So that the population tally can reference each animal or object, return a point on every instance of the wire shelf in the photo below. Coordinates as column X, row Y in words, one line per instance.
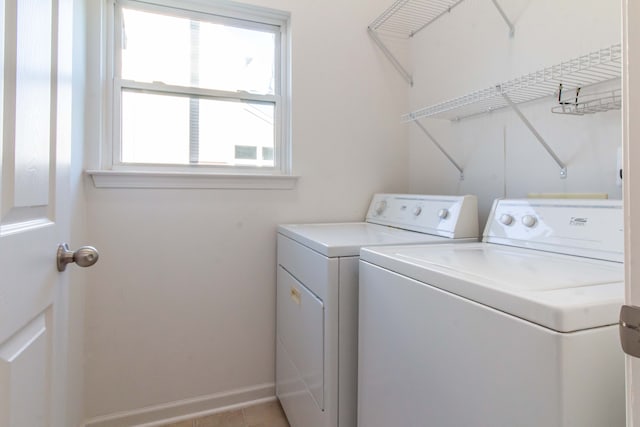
column 405, row 18
column 579, row 105
column 593, row 68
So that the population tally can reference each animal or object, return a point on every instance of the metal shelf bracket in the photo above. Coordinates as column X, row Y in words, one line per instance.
column 442, row 150
column 512, row 28
column 398, row 66
column 514, row 107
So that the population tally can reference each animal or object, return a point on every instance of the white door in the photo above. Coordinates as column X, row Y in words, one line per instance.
column 631, row 132
column 35, row 124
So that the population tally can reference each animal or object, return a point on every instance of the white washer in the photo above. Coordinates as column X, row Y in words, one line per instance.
column 519, row 330
column 317, row 297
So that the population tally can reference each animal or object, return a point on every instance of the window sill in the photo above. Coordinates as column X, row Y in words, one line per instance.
column 130, row 179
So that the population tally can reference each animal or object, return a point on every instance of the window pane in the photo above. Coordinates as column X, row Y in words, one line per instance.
column 227, row 124
column 155, row 128
column 184, row 52
column 169, row 129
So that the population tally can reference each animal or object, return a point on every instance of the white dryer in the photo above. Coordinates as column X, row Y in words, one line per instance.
column 317, row 297
column 517, row 330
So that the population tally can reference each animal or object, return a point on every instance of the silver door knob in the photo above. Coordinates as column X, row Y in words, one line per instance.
column 85, row 256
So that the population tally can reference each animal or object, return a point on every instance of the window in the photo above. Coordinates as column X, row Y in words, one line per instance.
column 199, row 89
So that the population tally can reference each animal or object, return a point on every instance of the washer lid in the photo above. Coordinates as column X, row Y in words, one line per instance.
column 561, row 292
column 346, row 239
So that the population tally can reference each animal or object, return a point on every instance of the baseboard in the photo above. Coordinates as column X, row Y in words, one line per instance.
column 185, row 409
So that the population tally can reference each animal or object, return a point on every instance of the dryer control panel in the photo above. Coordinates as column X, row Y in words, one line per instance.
column 448, row 216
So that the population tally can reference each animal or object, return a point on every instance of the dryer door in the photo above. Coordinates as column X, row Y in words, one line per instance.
column 300, row 327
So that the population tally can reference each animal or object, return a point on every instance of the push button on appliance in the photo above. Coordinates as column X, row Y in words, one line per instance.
column 506, row 219
column 380, row 207
column 529, row 221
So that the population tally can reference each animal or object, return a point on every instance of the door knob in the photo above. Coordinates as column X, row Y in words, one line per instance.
column 85, row 256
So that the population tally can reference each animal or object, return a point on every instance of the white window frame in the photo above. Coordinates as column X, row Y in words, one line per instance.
column 113, row 173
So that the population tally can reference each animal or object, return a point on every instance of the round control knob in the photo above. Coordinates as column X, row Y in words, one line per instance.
column 417, row 210
column 506, row 219
column 443, row 213
column 529, row 220
column 380, row 207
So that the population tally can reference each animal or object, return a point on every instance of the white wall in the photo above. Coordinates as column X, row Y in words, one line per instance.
column 182, row 302
column 470, row 49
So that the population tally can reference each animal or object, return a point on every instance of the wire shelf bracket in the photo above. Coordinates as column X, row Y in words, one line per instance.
column 391, row 57
column 512, row 28
column 442, row 150
column 406, row 18
column 514, row 107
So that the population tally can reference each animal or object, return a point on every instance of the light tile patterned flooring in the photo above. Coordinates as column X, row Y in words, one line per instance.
column 268, row 414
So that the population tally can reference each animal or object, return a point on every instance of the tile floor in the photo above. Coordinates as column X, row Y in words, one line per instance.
column 268, row 414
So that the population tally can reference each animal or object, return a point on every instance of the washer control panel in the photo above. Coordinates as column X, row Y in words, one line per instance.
column 451, row 216
column 586, row 227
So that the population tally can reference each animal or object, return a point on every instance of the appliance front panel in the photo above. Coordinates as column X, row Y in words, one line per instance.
column 428, row 357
